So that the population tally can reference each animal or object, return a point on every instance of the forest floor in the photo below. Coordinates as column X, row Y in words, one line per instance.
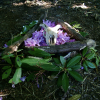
column 15, row 15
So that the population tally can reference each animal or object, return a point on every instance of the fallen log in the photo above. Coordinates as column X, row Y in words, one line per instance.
column 67, row 47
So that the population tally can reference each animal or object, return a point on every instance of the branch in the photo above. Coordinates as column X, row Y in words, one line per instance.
column 72, row 32
column 67, row 47
column 14, row 46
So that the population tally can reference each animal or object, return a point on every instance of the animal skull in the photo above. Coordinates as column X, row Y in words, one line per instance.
column 51, row 33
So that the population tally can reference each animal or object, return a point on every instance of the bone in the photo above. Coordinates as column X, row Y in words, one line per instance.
column 51, row 32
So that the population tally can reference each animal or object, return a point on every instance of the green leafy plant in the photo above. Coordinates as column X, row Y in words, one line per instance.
column 38, row 60
column 90, row 58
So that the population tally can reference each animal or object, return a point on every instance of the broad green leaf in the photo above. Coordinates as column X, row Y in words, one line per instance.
column 18, row 61
column 85, row 66
column 65, row 82
column 6, row 67
column 76, row 67
column 39, row 53
column 7, row 56
column 14, row 40
column 93, row 49
column 32, row 24
column 6, row 73
column 90, row 64
column 8, row 60
column 10, row 81
column 83, row 34
column 22, row 33
column 31, row 77
column 84, row 51
column 56, row 60
column 77, row 26
column 35, row 61
column 19, row 50
column 75, row 97
column 76, row 75
column 25, row 28
column 74, row 22
column 50, row 67
column 59, row 81
column 43, row 63
column 17, row 76
column 97, row 61
column 90, row 56
column 69, row 69
column 63, row 61
column 73, row 61
column 28, row 67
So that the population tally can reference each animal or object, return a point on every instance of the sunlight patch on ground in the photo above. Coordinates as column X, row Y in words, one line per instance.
column 83, row 6
column 30, row 3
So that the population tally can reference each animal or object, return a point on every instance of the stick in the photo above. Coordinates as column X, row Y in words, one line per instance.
column 14, row 46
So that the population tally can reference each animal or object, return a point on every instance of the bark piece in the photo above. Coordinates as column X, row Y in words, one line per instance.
column 72, row 32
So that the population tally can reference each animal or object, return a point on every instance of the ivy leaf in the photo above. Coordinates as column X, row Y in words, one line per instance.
column 84, row 51
column 90, row 64
column 85, row 66
column 73, row 61
column 18, row 61
column 17, row 75
column 65, row 82
column 76, row 75
column 6, row 73
column 63, row 61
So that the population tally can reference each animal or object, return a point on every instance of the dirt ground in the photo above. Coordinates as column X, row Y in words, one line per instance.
column 15, row 14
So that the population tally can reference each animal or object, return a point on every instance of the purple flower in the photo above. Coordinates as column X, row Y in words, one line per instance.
column 38, row 85
column 49, row 23
column 5, row 46
column 82, row 67
column 13, row 85
column 23, row 78
column 38, row 39
column 1, row 98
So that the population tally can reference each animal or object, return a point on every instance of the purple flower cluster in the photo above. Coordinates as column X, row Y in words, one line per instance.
column 38, row 39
